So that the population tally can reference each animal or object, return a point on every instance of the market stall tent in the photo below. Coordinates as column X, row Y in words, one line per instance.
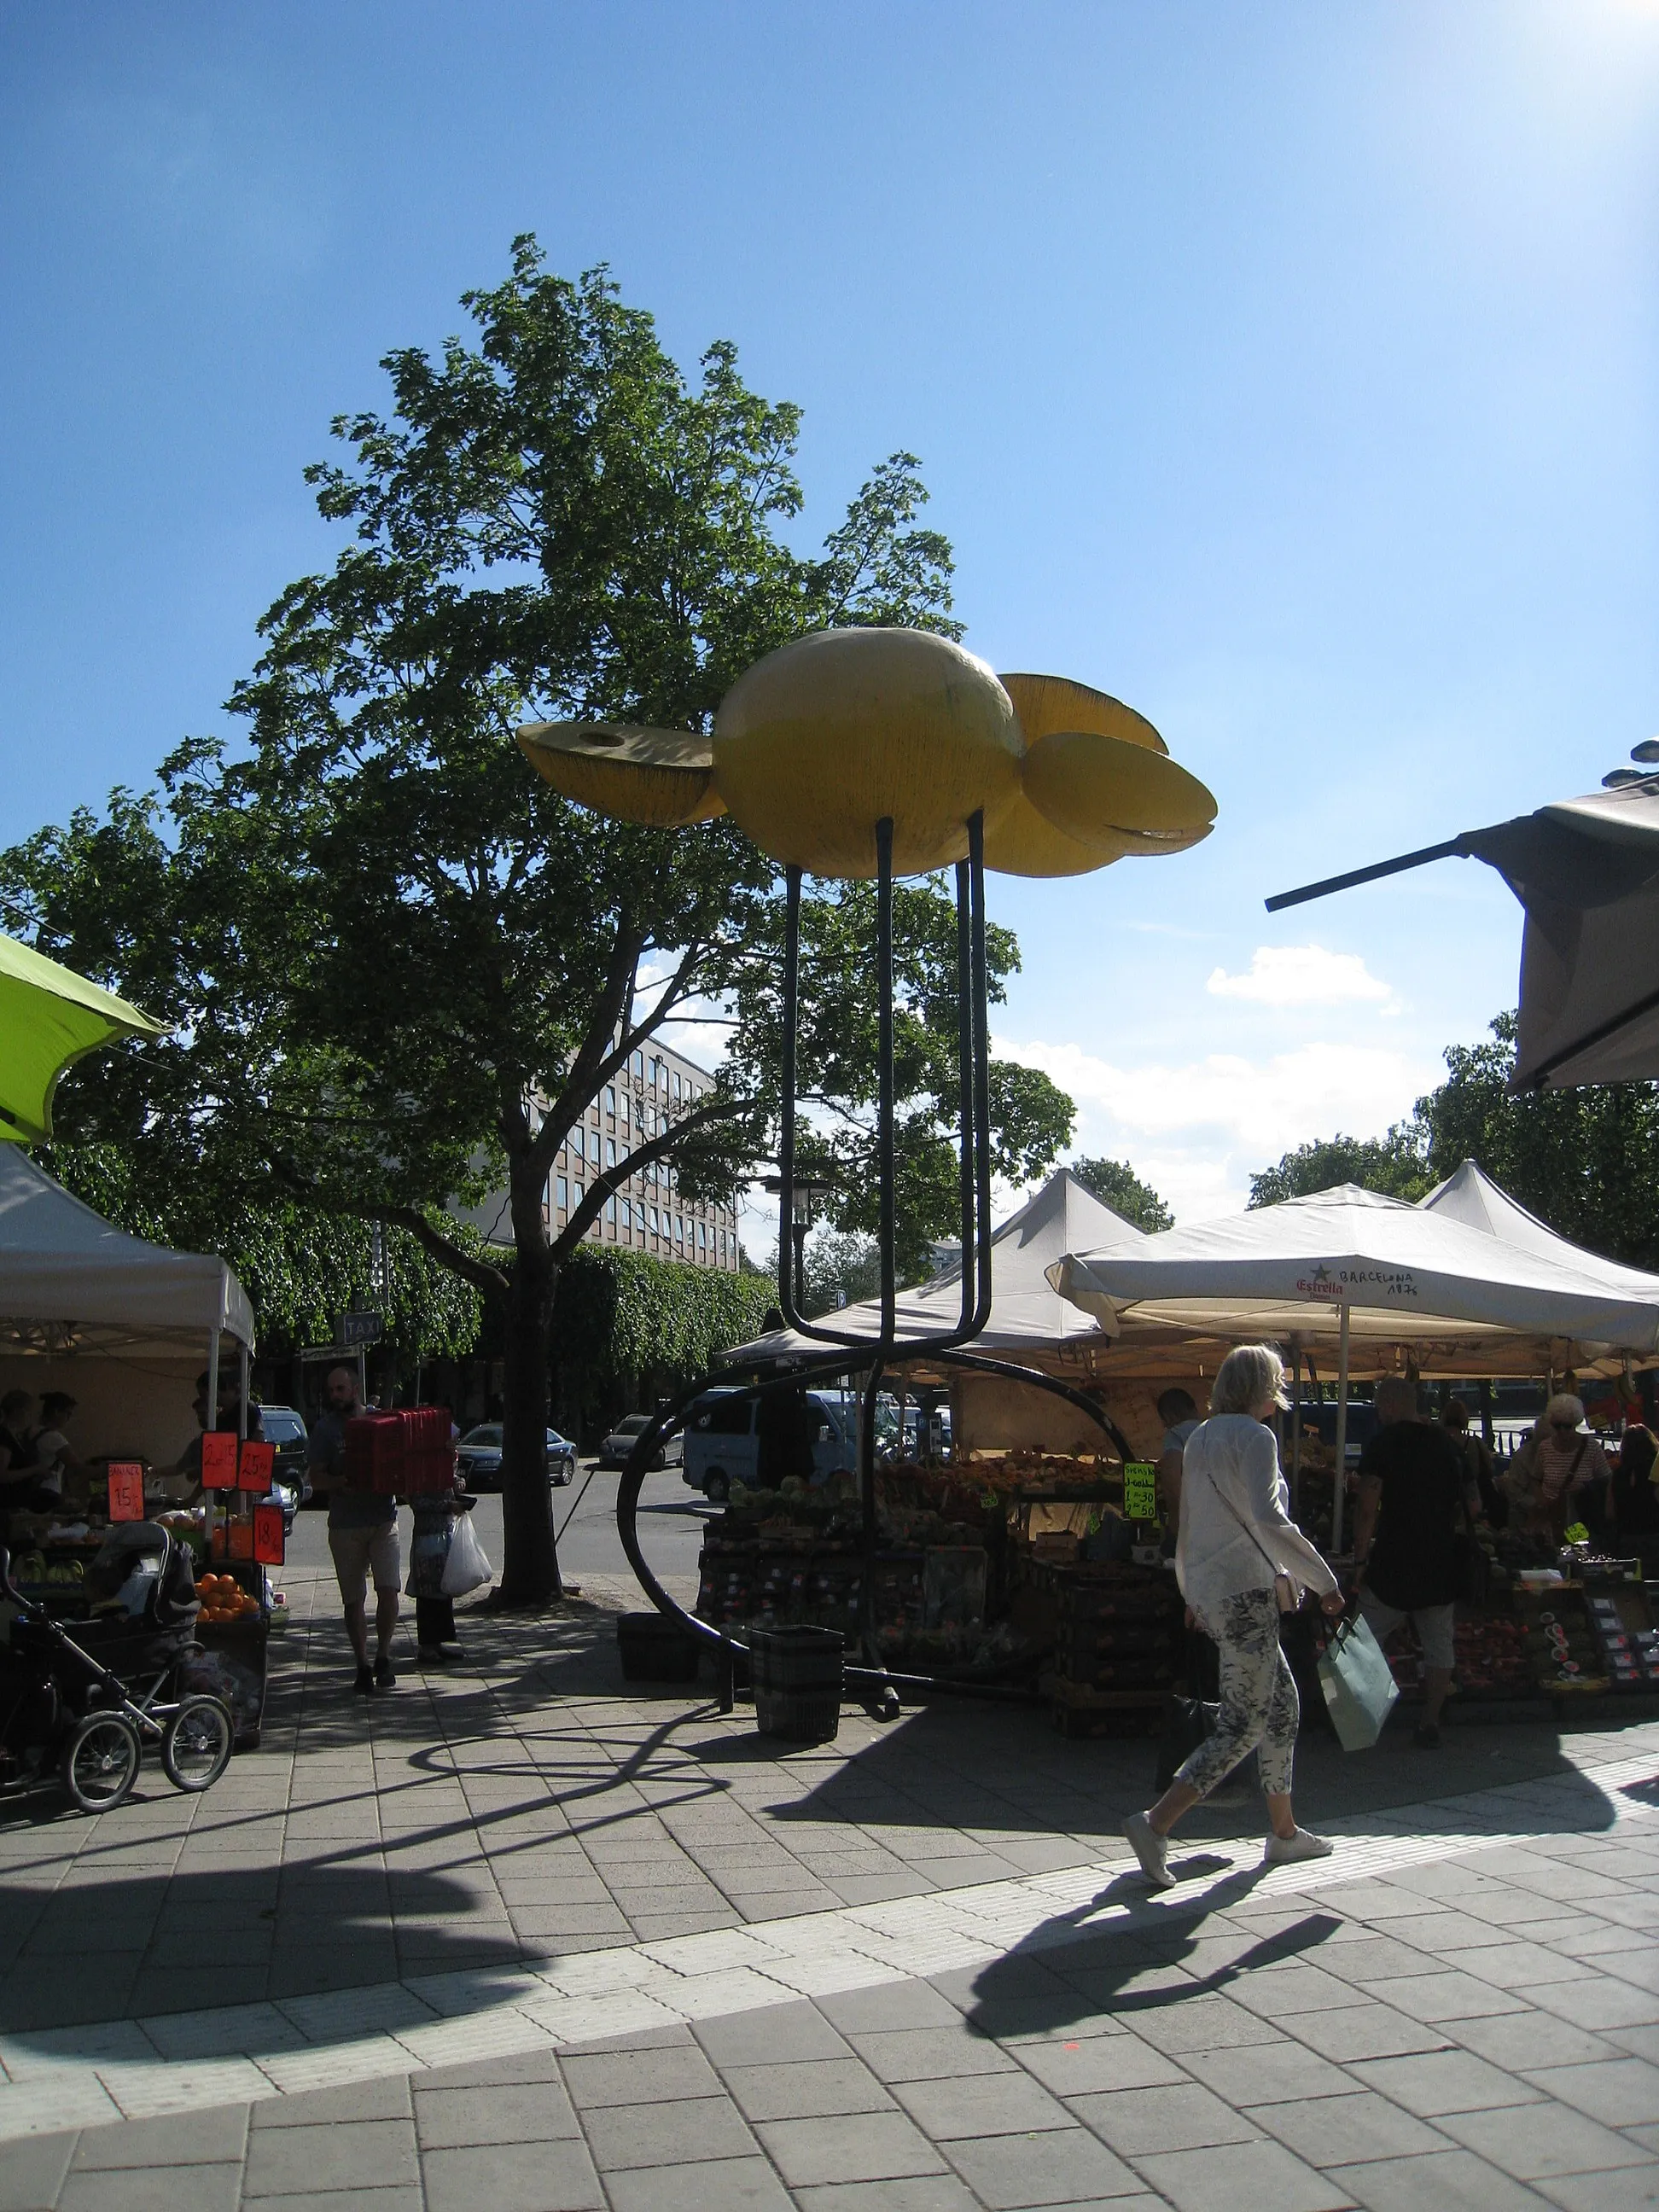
column 1028, row 1313
column 1377, row 1284
column 116, row 1321
column 1462, row 1297
column 49, row 1018
column 1471, row 1196
column 1029, row 1322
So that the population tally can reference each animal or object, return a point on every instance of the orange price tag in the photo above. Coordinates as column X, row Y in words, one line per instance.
column 219, row 1458
column 255, row 1471
column 270, row 1547
column 126, row 1490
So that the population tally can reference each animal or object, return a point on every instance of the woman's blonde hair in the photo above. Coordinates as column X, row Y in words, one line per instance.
column 1251, row 1375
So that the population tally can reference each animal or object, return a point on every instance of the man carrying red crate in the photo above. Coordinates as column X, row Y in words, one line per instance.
column 362, row 1532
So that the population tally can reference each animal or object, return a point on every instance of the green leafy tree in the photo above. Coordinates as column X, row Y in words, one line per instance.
column 842, row 1269
column 626, row 1323
column 1031, row 1119
column 1116, row 1184
column 1397, row 1165
column 1583, row 1160
column 400, row 964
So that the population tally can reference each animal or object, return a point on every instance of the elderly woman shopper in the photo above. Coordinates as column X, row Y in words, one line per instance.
column 1558, row 1459
column 1241, row 1560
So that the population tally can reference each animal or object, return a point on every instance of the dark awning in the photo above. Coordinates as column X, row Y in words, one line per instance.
column 1587, row 871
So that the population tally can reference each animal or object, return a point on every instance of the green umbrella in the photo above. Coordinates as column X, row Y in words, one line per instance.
column 49, row 1017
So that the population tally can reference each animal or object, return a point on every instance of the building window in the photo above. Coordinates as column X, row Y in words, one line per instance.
column 702, row 1236
column 593, row 1146
column 564, row 1194
column 611, row 1212
column 722, row 1248
column 578, row 1194
column 639, row 1065
column 679, row 1228
column 674, row 1083
column 611, row 1098
column 653, row 1221
column 611, row 1151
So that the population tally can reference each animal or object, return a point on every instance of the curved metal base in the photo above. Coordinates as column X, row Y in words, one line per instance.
column 874, row 1681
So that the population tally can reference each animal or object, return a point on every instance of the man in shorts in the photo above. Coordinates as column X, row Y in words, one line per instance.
column 362, row 1535
column 1415, row 1486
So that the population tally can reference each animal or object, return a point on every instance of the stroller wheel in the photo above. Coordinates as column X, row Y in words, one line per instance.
column 197, row 1746
column 100, row 1761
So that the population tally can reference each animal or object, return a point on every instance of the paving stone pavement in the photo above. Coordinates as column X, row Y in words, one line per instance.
column 512, row 1937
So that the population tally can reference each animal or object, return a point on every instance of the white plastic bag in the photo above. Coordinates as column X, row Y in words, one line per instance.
column 466, row 1567
column 1358, row 1685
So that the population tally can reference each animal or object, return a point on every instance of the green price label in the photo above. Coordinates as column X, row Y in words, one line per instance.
column 1139, row 1491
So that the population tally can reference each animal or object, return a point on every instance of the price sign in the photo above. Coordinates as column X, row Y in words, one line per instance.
column 1140, row 1491
column 270, row 1547
column 219, row 1458
column 126, row 1490
column 255, row 1469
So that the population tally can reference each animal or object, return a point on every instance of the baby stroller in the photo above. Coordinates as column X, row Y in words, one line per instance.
column 85, row 1702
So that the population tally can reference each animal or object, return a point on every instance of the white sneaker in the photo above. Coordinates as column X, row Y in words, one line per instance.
column 1151, row 1849
column 1289, row 1850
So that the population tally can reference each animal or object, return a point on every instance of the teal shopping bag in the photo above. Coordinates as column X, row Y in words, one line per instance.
column 1359, row 1685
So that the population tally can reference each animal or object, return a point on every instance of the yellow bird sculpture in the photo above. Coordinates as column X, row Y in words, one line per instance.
column 818, row 742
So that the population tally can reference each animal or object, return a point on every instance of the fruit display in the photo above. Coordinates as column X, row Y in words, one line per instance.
column 224, row 1599
column 1492, row 1658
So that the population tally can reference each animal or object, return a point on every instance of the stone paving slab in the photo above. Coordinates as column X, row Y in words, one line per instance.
column 564, row 1946
column 933, row 2093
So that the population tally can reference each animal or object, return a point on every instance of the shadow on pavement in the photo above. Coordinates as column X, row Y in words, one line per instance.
column 1061, row 1974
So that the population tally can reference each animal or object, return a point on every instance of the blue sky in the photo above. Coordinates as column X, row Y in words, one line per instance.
column 1287, row 370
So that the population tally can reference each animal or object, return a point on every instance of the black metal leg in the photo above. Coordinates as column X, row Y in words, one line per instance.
column 846, row 1353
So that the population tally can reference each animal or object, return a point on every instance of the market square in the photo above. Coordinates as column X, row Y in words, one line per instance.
column 732, row 1467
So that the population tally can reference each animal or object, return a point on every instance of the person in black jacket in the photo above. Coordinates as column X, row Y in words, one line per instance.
column 1415, row 1486
column 1634, row 1498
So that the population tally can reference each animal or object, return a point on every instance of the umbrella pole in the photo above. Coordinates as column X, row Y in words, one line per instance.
column 212, row 1423
column 1295, row 1429
column 1340, row 1481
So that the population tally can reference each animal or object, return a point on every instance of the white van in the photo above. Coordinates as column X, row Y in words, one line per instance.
column 721, row 1447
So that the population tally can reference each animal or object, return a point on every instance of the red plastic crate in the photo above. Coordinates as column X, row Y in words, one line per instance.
column 374, row 1452
column 428, row 1455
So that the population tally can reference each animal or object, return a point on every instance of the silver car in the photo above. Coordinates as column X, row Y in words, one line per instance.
column 479, row 1457
column 618, row 1447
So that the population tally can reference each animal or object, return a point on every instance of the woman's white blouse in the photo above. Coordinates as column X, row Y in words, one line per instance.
column 1234, row 1459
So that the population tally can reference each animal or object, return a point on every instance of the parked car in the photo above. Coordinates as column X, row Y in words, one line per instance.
column 291, row 1474
column 479, row 1457
column 722, row 1447
column 618, row 1447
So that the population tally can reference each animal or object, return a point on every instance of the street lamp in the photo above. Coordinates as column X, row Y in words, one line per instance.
column 805, row 1197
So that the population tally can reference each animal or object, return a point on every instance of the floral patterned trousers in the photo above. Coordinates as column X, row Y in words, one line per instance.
column 1260, row 1708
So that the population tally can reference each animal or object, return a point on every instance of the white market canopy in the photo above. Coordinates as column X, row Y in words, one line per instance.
column 71, row 1281
column 1028, row 1313
column 1466, row 1282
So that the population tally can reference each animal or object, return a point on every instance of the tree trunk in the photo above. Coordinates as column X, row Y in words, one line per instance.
column 530, row 1571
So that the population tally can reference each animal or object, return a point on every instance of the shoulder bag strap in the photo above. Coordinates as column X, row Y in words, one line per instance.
column 1279, row 1573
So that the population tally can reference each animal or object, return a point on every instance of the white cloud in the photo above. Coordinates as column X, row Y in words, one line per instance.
column 1198, row 1130
column 1301, row 975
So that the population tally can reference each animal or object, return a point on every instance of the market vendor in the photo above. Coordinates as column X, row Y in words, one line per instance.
column 1635, row 1493
column 1414, row 1489
column 186, row 1469
column 1179, row 1415
column 1455, row 1419
column 55, row 1457
column 1559, row 1461
column 20, row 1486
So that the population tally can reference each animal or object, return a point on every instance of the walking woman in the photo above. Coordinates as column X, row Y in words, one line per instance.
column 1240, row 1559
